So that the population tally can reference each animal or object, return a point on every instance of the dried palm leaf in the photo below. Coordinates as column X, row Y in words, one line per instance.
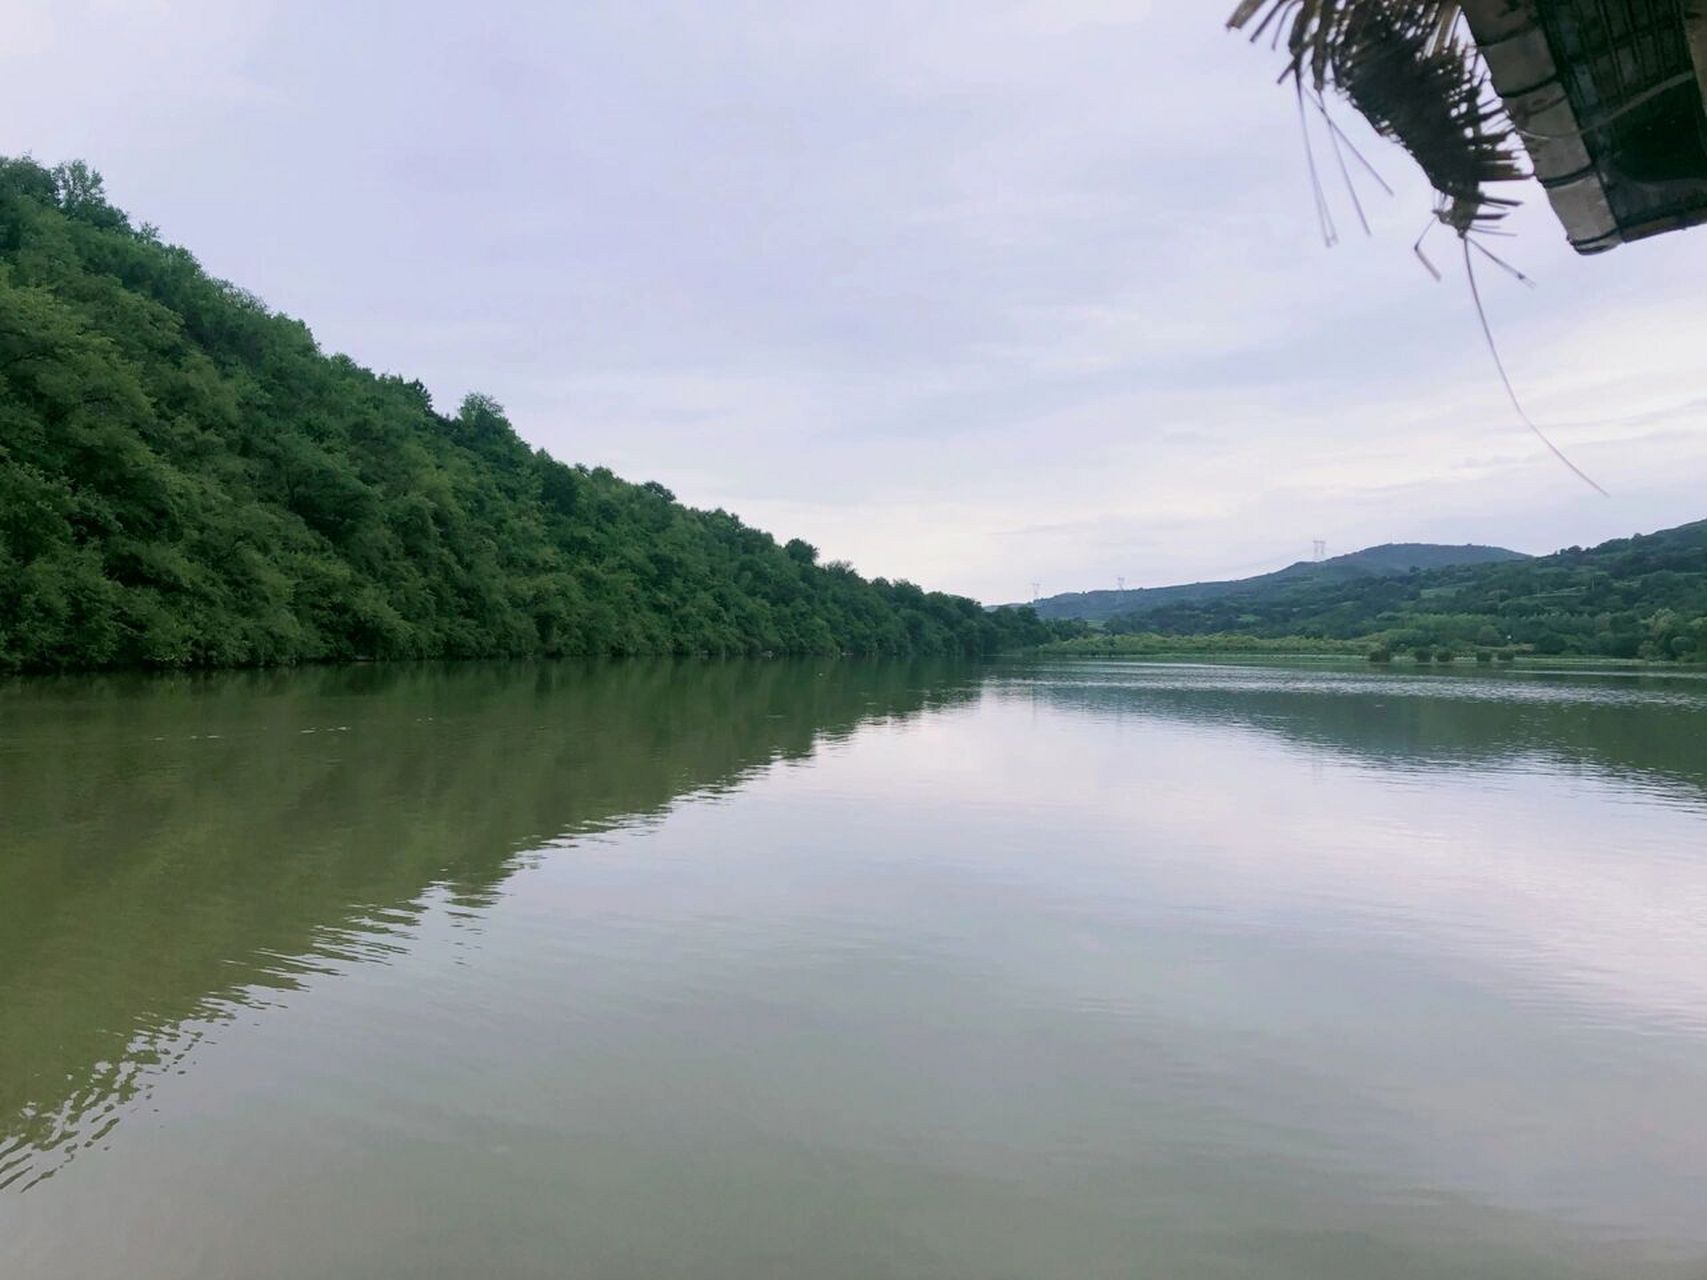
column 1409, row 69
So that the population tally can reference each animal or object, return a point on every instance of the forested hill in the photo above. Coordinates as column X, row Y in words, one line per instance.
column 1372, row 562
column 1644, row 596
column 187, row 479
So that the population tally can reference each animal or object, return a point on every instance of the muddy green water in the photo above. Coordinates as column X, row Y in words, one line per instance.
column 823, row 970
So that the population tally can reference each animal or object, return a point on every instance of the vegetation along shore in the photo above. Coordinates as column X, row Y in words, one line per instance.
column 188, row 480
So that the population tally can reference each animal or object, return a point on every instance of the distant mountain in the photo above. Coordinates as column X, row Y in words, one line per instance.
column 1639, row 597
column 1393, row 559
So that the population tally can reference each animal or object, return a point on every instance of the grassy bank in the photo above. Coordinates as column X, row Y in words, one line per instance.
column 1374, row 650
column 1149, row 645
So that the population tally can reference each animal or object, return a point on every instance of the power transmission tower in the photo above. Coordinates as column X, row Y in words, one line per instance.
column 1036, row 589
column 1122, row 582
column 1321, row 549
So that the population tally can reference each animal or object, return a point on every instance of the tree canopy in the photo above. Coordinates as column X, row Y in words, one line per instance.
column 1640, row 597
column 187, row 479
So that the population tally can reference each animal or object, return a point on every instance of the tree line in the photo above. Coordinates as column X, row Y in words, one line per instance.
column 187, row 479
column 1639, row 597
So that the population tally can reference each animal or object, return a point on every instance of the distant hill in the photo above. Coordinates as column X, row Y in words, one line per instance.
column 1639, row 597
column 1373, row 562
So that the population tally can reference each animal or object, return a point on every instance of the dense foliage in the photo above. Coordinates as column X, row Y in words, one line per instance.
column 186, row 479
column 1641, row 597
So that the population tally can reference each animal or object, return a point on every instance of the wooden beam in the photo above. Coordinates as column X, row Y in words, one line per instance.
column 1521, row 67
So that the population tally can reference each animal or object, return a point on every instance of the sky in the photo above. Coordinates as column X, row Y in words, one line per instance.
column 980, row 295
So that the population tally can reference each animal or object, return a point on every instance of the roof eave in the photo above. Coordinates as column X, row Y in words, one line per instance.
column 1521, row 68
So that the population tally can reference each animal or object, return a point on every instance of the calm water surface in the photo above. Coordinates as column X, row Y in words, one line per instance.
column 826, row 970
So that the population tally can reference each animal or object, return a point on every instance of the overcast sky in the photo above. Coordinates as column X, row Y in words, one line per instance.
column 978, row 294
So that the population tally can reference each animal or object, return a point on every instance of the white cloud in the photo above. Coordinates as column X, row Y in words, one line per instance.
column 899, row 279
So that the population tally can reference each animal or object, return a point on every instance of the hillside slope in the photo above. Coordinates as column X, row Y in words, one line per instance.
column 1393, row 558
column 187, row 479
column 1644, row 596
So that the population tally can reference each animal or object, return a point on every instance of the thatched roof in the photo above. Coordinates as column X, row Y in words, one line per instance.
column 1606, row 97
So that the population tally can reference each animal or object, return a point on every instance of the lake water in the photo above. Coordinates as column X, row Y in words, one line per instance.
column 822, row 970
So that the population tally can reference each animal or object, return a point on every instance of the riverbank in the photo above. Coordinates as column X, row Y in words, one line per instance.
column 1373, row 650
column 1161, row 646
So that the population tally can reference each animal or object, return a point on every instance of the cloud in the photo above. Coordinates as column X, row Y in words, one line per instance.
column 898, row 279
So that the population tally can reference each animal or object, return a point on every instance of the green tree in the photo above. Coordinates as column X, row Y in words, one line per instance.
column 187, row 479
